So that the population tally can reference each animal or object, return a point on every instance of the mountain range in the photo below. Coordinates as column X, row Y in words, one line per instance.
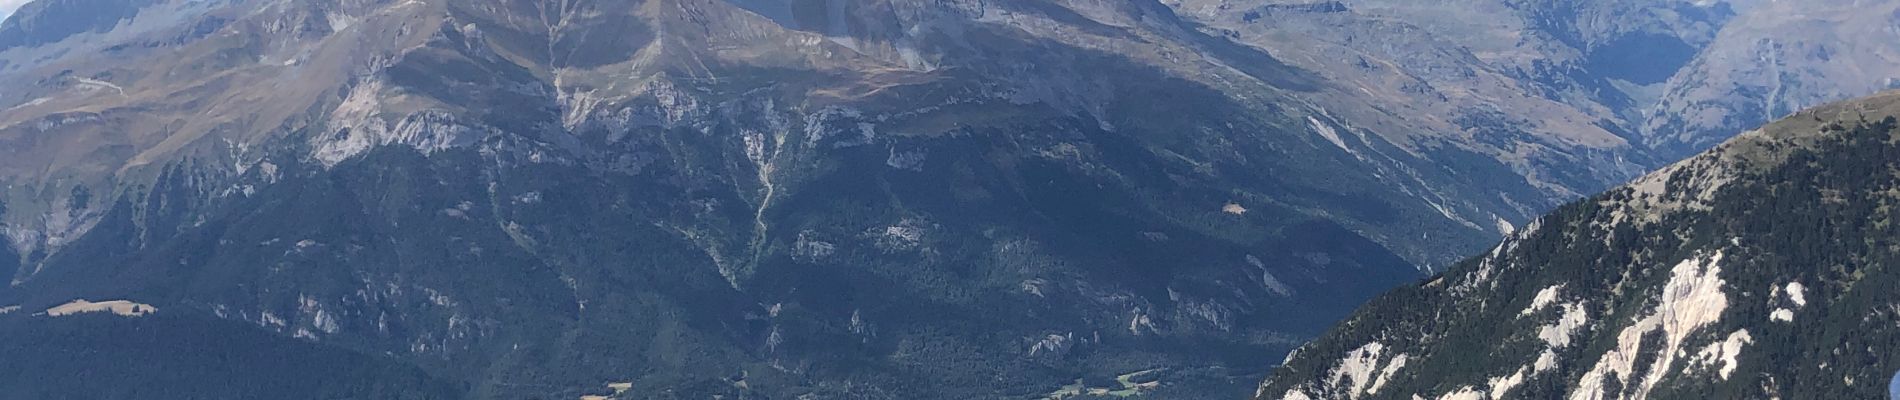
column 826, row 198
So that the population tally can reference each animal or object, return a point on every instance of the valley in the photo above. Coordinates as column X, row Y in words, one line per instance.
column 855, row 199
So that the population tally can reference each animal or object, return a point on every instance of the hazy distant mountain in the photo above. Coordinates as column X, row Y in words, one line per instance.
column 1761, row 269
column 1673, row 77
column 1776, row 58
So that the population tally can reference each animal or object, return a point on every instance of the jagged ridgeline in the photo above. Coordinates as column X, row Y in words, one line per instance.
column 1765, row 268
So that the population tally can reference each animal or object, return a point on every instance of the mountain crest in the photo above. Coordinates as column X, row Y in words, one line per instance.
column 1712, row 277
